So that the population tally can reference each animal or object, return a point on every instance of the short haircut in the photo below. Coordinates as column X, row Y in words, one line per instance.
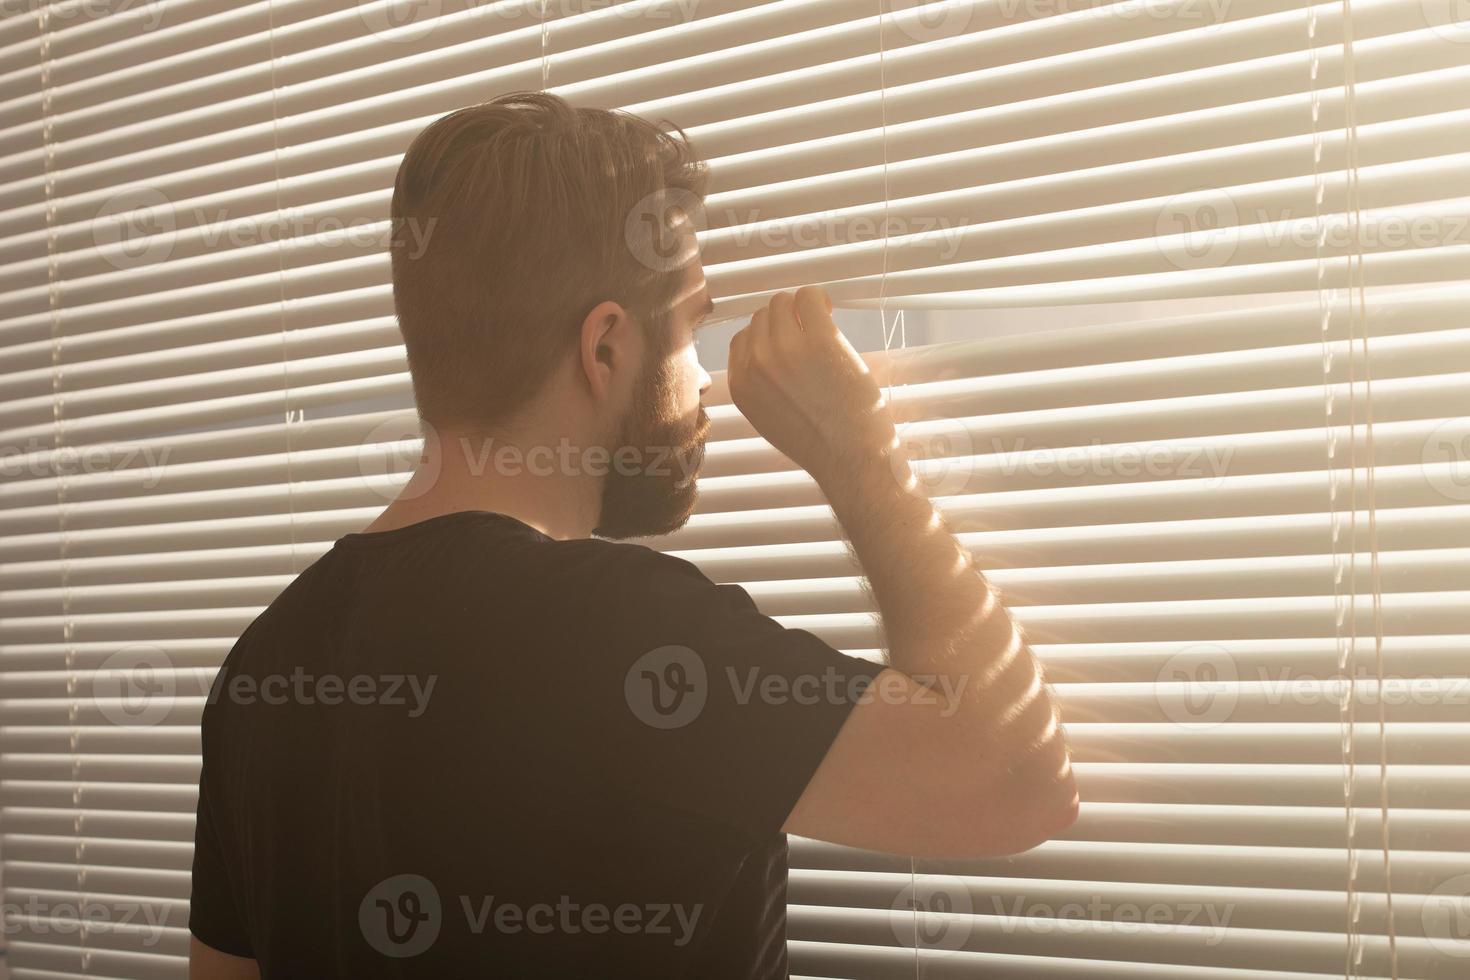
column 520, row 210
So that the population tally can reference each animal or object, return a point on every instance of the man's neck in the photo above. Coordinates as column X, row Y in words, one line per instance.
column 529, row 480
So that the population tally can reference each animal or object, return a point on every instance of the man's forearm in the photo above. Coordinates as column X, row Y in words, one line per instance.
column 943, row 624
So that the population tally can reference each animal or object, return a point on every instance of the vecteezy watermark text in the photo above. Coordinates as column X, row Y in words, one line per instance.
column 668, row 687
column 402, row 916
column 567, row 917
column 140, row 685
column 301, row 688
column 145, row 921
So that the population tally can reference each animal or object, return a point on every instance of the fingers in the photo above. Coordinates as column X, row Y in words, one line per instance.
column 739, row 352
column 748, row 345
column 786, row 338
column 783, row 314
column 760, row 333
column 776, row 329
column 814, row 309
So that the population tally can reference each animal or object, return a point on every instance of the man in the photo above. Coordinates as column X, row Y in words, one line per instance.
column 595, row 752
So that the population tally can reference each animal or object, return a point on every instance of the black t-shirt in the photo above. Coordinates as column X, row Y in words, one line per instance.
column 462, row 748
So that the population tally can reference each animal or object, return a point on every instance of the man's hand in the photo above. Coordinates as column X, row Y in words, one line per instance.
column 969, row 758
column 804, row 387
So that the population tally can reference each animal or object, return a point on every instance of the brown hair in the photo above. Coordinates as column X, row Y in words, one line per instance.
column 522, row 212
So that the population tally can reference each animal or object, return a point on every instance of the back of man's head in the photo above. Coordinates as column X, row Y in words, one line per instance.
column 512, row 219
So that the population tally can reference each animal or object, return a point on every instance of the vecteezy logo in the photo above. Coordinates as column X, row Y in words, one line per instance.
column 1450, row 19
column 401, row 915
column 931, row 20
column 134, row 687
column 661, row 229
column 667, row 687
column 934, row 912
column 401, row 443
column 1198, row 230
column 1446, row 917
column 400, row 20
column 938, row 453
column 1197, row 688
column 1446, row 459
column 135, row 227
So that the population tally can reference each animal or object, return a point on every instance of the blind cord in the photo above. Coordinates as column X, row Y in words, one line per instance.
column 58, row 467
column 913, row 889
column 1344, row 644
column 281, row 281
column 1345, row 560
column 545, row 43
column 1357, row 315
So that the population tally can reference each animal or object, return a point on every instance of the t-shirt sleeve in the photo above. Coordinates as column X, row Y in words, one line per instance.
column 711, row 706
column 213, row 916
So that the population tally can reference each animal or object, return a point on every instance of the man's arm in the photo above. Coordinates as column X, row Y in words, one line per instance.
column 208, row 963
column 956, row 750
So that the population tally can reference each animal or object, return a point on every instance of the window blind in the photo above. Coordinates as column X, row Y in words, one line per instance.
column 1172, row 304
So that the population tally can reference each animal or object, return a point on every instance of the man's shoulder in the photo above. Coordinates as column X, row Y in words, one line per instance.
column 620, row 581
column 627, row 557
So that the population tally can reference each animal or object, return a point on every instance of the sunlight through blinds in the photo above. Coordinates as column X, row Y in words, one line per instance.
column 1184, row 351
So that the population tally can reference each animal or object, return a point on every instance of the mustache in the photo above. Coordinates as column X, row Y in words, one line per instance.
column 691, row 458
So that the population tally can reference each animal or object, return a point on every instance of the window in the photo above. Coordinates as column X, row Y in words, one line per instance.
column 1171, row 296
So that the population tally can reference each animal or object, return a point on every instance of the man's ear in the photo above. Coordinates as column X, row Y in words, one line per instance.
column 608, row 343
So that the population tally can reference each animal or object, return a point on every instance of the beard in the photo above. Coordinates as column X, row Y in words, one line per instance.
column 650, row 489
